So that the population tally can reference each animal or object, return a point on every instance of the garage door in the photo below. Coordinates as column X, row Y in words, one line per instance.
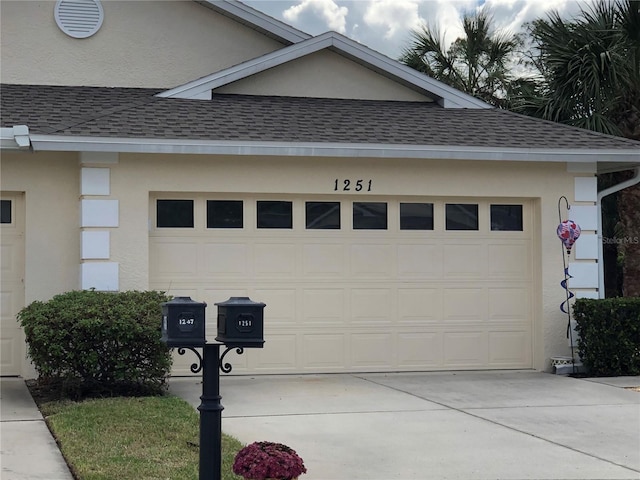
column 12, row 347
column 400, row 284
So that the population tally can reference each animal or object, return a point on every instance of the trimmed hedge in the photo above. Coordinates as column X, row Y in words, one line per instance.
column 609, row 330
column 99, row 344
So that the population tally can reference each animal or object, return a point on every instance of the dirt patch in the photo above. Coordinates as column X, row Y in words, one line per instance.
column 635, row 389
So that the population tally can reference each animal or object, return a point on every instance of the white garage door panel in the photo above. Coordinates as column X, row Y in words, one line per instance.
column 509, row 260
column 324, row 261
column 467, row 349
column 421, row 260
column 226, row 260
column 509, row 349
column 359, row 300
column 322, row 352
column 509, row 304
column 419, row 306
column 464, row 261
column 420, row 350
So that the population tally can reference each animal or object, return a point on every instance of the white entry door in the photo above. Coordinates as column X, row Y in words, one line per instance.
column 12, row 345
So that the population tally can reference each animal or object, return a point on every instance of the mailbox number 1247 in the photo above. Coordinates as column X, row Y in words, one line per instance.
column 347, row 185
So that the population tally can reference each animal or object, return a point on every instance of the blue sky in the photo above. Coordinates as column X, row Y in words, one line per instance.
column 384, row 25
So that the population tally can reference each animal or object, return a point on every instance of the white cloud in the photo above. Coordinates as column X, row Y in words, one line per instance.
column 333, row 15
column 396, row 16
column 384, row 25
column 447, row 16
column 511, row 15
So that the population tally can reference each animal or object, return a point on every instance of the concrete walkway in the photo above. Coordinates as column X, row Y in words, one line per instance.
column 469, row 425
column 27, row 449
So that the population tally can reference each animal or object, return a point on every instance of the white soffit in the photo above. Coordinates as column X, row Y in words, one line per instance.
column 79, row 18
column 448, row 97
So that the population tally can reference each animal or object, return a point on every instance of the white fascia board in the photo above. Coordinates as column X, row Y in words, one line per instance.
column 448, row 96
column 303, row 149
column 257, row 19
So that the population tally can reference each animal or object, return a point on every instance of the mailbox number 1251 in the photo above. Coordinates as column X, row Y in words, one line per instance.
column 348, row 185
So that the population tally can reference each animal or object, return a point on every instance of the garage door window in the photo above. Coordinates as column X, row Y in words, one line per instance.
column 174, row 214
column 322, row 215
column 275, row 214
column 506, row 218
column 224, row 214
column 416, row 216
column 462, row 216
column 5, row 211
column 369, row 216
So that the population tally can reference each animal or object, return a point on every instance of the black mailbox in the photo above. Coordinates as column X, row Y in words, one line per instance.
column 241, row 323
column 183, row 322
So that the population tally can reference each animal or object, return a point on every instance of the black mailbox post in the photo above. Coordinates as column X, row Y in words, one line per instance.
column 241, row 323
column 183, row 323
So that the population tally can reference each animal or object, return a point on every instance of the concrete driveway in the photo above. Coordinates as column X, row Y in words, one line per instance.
column 468, row 425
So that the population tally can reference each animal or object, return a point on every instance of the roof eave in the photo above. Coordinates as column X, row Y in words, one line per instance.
column 616, row 158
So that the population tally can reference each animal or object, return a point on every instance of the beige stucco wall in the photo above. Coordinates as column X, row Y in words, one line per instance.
column 52, row 212
column 323, row 74
column 140, row 44
column 50, row 183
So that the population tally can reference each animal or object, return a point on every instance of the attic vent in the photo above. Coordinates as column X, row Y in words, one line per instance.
column 79, row 18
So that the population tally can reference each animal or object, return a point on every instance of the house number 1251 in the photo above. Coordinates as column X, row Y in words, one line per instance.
column 349, row 185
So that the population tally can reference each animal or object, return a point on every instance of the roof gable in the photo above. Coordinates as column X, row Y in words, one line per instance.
column 323, row 74
column 445, row 95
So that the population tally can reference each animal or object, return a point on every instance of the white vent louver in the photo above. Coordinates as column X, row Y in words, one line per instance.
column 79, row 18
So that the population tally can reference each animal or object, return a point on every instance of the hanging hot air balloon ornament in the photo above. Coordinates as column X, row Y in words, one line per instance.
column 568, row 231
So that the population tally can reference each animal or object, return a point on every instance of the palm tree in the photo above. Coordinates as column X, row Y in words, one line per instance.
column 589, row 68
column 476, row 63
column 590, row 77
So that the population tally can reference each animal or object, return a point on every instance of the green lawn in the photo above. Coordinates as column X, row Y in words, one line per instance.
column 132, row 438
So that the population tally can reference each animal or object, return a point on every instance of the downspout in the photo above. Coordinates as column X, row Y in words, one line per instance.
column 604, row 193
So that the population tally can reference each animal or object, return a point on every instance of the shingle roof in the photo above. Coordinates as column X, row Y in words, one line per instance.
column 137, row 113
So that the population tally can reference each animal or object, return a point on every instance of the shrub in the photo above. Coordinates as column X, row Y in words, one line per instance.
column 609, row 332
column 99, row 344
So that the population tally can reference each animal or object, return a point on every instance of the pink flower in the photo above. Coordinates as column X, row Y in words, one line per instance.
column 266, row 460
